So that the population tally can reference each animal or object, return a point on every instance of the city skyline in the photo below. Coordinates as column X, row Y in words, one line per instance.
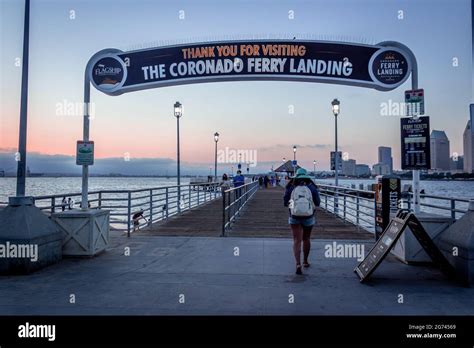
column 259, row 116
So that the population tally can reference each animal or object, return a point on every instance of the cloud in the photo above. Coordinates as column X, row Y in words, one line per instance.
column 64, row 164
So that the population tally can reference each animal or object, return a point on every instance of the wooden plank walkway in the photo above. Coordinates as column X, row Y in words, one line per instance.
column 263, row 216
column 202, row 221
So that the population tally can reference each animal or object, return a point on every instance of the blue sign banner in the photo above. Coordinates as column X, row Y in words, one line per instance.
column 384, row 68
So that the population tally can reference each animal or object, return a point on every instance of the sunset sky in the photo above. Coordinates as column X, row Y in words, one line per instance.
column 248, row 115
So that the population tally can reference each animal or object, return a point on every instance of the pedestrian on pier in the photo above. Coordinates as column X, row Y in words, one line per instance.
column 136, row 219
column 239, row 180
column 225, row 184
column 63, row 204
column 265, row 181
column 302, row 198
column 70, row 203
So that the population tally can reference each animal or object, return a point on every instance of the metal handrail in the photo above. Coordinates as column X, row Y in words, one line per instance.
column 347, row 204
column 345, row 201
column 233, row 200
column 159, row 204
column 452, row 205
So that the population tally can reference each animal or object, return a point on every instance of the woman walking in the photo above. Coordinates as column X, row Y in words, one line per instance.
column 302, row 198
column 225, row 184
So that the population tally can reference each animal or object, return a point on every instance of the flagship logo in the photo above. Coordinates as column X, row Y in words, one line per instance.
column 337, row 250
column 108, row 73
column 37, row 331
column 21, row 251
column 103, row 70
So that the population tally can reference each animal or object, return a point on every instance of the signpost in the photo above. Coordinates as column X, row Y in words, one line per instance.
column 85, row 153
column 415, row 143
column 415, row 102
column 390, row 236
column 339, row 161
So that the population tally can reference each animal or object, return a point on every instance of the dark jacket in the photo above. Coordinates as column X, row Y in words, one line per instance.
column 239, row 180
column 311, row 186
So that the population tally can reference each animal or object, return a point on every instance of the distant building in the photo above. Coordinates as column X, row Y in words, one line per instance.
column 362, row 170
column 385, row 157
column 468, row 148
column 381, row 169
column 439, row 142
column 349, row 167
column 287, row 167
column 457, row 164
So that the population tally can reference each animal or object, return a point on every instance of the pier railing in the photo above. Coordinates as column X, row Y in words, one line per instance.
column 350, row 204
column 157, row 203
column 233, row 200
column 447, row 206
column 358, row 206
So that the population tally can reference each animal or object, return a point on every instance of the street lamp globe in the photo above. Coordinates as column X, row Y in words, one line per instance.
column 335, row 107
column 216, row 137
column 314, row 162
column 178, row 109
column 294, row 148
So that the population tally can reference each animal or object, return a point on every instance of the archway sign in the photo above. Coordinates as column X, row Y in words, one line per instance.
column 383, row 67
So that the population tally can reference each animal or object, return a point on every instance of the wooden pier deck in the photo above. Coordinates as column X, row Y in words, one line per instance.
column 263, row 216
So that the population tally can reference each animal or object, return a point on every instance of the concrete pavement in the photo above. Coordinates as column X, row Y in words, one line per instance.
column 213, row 280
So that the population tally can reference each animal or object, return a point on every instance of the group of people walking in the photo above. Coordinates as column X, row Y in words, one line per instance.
column 265, row 181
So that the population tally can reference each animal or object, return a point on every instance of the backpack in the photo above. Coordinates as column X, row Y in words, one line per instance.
column 301, row 202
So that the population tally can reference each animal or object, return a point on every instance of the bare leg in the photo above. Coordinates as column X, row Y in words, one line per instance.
column 306, row 242
column 297, row 238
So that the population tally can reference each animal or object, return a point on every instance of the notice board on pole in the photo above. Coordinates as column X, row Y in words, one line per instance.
column 415, row 143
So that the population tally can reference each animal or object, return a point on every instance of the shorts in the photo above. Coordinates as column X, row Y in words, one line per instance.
column 305, row 221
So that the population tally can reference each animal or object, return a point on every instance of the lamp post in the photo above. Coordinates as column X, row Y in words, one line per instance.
column 21, row 164
column 314, row 169
column 178, row 113
column 216, row 139
column 335, row 110
column 294, row 160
